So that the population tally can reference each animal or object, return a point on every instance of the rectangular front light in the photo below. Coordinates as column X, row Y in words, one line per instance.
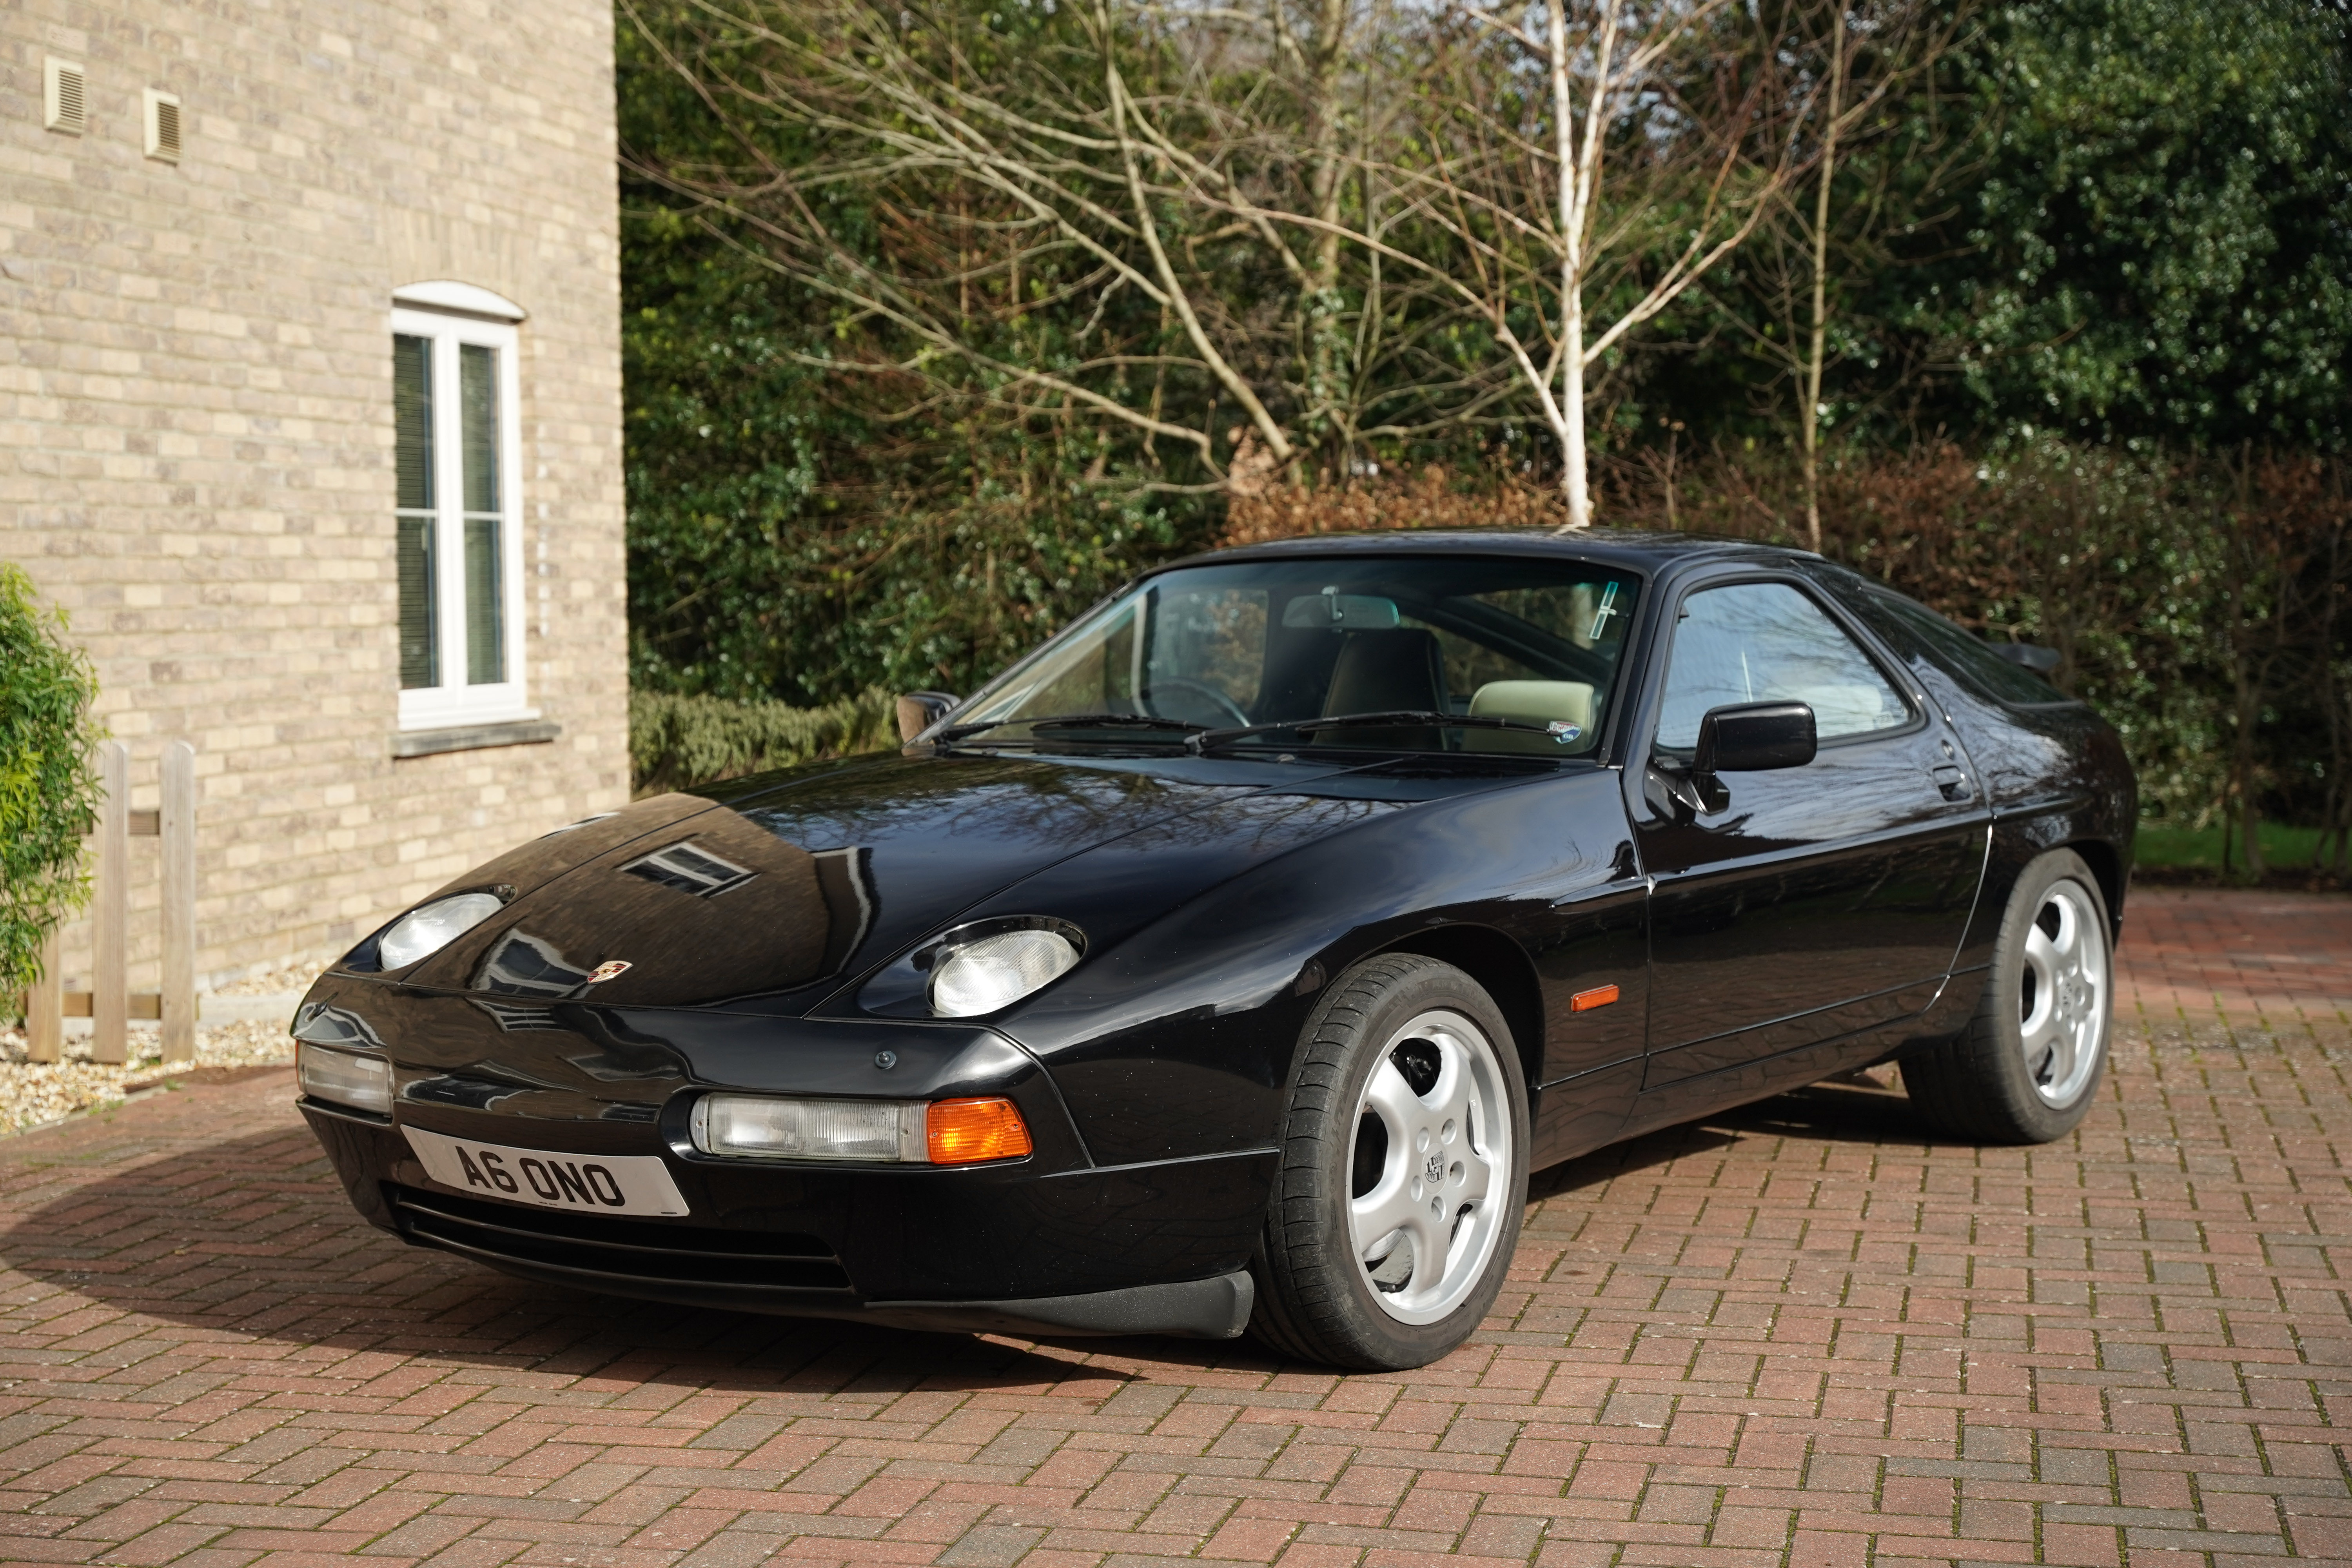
column 344, row 1078
column 762, row 1126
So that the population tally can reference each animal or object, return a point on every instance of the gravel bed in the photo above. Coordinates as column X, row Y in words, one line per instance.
column 294, row 978
column 35, row 1093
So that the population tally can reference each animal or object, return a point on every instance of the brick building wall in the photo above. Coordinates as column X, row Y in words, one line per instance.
column 196, row 420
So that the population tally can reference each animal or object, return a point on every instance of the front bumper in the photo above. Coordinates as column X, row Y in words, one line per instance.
column 1157, row 1248
column 787, row 1275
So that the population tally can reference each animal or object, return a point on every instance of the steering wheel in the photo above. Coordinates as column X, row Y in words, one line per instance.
column 1210, row 698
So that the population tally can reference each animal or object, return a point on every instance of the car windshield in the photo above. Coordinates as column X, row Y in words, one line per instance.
column 1529, row 647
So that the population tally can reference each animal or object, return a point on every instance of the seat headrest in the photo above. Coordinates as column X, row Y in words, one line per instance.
column 1537, row 701
column 1386, row 670
column 1544, row 702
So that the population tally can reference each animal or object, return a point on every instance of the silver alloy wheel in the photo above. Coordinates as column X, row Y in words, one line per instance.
column 2062, row 1001
column 1431, row 1158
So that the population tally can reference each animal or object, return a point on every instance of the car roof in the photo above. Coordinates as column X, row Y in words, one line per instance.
column 1632, row 549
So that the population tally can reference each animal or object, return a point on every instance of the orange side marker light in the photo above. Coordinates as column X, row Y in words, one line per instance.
column 966, row 1132
column 1598, row 996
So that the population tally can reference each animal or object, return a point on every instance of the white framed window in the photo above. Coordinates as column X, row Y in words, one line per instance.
column 458, row 462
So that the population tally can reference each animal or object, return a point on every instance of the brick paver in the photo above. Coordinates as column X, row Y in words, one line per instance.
column 2198, row 950
column 1805, row 1333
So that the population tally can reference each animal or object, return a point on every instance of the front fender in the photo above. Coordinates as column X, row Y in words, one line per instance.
column 1177, row 1041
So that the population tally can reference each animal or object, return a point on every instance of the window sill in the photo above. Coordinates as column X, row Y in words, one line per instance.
column 474, row 737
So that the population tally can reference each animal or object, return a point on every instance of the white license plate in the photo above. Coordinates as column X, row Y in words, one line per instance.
column 587, row 1184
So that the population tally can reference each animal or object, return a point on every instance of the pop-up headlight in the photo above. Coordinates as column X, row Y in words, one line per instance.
column 426, row 930
column 979, row 976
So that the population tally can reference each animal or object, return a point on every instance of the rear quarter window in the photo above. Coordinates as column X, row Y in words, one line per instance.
column 1961, row 654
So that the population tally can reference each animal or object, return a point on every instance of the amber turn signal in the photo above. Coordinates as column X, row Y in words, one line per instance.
column 965, row 1132
column 1598, row 996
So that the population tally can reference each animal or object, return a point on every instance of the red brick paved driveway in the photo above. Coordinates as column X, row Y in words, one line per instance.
column 1805, row 1333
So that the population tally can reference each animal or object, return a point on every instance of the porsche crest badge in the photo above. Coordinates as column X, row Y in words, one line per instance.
column 609, row 969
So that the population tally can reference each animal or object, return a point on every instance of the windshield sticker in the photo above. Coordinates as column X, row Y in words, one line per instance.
column 1601, row 616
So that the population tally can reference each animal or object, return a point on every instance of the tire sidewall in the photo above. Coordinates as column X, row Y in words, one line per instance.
column 1353, row 1317
column 2042, row 1120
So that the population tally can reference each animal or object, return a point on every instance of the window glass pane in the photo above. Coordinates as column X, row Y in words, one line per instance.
column 420, row 663
column 1766, row 642
column 486, row 648
column 478, row 403
column 1093, row 676
column 1531, row 640
column 411, row 420
column 1958, row 651
column 1208, row 653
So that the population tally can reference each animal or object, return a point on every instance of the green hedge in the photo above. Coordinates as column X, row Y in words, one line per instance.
column 678, row 740
column 48, row 788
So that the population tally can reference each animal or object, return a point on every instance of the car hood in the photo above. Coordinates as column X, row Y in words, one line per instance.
column 771, row 897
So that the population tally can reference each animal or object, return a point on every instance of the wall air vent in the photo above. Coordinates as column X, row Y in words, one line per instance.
column 163, row 126
column 64, row 99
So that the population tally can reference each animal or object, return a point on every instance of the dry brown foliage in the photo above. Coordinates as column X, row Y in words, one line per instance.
column 1433, row 498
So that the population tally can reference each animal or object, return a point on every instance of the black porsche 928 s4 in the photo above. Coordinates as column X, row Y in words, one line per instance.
column 1231, row 960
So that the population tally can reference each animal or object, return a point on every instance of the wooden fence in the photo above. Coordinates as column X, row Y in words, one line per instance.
column 109, row 1004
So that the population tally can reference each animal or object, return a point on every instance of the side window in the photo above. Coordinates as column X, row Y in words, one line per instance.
column 1767, row 642
column 1959, row 652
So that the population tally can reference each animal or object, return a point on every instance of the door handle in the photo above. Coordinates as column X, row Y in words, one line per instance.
column 1951, row 781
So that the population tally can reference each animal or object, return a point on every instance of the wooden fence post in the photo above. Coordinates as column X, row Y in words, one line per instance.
column 45, row 1024
column 178, row 827
column 110, row 981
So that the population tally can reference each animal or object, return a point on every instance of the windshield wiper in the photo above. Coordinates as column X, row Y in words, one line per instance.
column 1074, row 722
column 1400, row 718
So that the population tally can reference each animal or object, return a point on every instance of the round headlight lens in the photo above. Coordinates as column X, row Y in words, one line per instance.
column 421, row 933
column 997, row 970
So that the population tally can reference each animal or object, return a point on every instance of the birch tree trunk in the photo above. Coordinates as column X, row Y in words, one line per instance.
column 1723, row 158
column 1575, row 477
column 1812, row 421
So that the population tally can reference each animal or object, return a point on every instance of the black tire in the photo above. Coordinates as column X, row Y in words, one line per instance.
column 1317, row 1299
column 1988, row 1083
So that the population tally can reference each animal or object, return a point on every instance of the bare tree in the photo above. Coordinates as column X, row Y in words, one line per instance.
column 1867, row 54
column 1132, row 213
column 1261, row 237
column 1840, row 61
column 1659, row 140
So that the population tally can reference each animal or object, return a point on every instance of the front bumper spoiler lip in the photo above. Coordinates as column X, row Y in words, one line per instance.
column 1217, row 1308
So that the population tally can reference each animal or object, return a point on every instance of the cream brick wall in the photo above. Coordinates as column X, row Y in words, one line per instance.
column 196, row 419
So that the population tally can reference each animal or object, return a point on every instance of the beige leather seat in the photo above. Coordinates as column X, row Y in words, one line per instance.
column 1846, row 710
column 1543, row 703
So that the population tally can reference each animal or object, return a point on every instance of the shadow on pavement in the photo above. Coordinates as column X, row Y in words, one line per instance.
column 253, row 1236
column 1829, row 1112
column 1836, row 1113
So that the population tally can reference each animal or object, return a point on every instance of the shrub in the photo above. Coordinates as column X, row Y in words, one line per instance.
column 48, row 788
column 678, row 740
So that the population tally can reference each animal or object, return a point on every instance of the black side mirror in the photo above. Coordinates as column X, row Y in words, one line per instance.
column 2040, row 660
column 1738, row 738
column 1754, row 738
column 919, row 710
